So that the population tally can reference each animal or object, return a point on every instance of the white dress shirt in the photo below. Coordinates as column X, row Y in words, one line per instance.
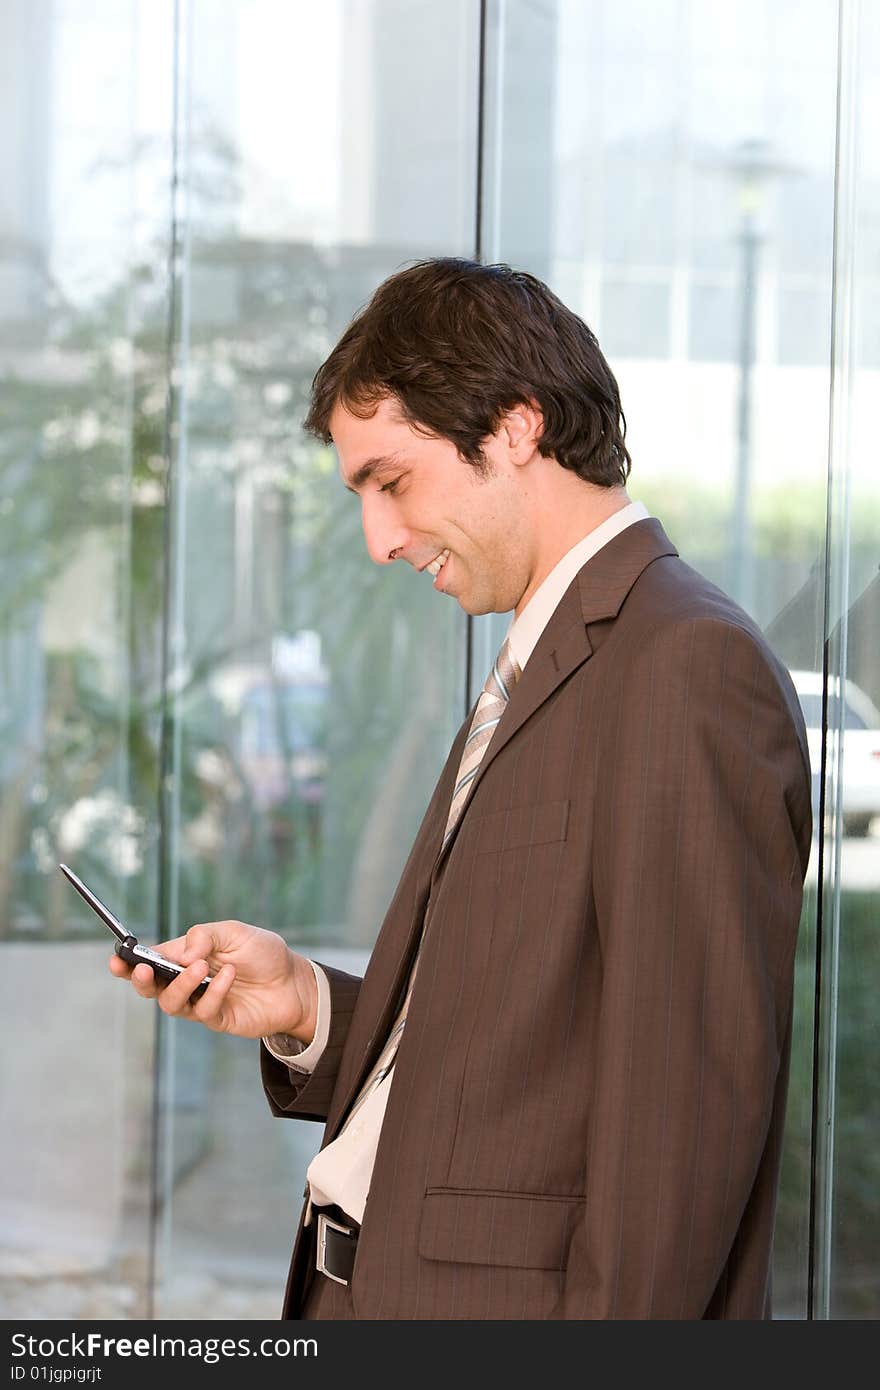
column 341, row 1172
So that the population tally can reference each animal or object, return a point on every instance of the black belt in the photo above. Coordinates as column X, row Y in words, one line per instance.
column 336, row 1245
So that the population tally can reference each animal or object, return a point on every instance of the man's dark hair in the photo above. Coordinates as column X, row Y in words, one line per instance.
column 458, row 344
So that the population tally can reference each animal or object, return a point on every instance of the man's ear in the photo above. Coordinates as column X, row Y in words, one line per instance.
column 523, row 426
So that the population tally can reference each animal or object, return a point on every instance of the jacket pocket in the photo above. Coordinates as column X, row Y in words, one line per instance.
column 522, row 1230
column 516, row 826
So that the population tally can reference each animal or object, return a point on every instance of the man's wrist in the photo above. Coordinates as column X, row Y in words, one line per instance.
column 303, row 1047
column 306, row 990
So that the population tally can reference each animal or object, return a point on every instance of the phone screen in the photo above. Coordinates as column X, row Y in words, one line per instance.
column 96, row 905
column 126, row 943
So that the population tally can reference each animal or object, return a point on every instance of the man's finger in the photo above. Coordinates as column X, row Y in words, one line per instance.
column 200, row 943
column 174, row 997
column 144, row 981
column 175, row 950
column 208, row 1008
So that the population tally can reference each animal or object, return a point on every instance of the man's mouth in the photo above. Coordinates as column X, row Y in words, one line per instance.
column 436, row 565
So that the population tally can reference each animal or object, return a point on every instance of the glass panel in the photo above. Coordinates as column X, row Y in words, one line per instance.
column 85, row 110
column 688, row 219
column 314, row 696
column 849, row 1250
column 306, row 717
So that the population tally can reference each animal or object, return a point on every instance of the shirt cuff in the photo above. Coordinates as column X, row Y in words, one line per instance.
column 291, row 1050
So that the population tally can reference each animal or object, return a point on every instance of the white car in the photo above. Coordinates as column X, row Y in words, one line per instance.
column 861, row 745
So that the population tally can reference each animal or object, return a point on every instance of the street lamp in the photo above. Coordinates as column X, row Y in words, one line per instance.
column 753, row 167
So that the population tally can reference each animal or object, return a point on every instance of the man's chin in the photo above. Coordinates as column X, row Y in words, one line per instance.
column 477, row 608
column 478, row 605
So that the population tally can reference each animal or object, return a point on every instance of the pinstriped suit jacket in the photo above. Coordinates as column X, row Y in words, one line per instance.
column 587, row 1109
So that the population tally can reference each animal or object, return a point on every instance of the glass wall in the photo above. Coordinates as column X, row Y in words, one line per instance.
column 203, row 680
column 689, row 212
column 689, row 220
column 86, row 109
column 848, row 1108
column 195, row 650
column 302, row 684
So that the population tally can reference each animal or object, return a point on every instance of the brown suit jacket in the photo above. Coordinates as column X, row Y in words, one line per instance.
column 588, row 1101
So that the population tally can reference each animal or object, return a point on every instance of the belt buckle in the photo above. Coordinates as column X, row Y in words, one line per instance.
column 323, row 1222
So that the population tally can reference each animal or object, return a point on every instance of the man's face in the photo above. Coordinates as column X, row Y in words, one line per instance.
column 420, row 502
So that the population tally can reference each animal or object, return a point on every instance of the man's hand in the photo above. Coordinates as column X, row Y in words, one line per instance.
column 260, row 985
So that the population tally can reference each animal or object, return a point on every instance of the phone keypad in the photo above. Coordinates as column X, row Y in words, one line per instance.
column 149, row 956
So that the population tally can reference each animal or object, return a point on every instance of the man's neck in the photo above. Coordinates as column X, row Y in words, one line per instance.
column 572, row 516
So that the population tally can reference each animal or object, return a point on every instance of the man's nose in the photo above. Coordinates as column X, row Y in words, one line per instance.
column 383, row 534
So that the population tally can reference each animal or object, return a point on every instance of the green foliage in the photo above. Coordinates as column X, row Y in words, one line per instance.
column 856, row 1130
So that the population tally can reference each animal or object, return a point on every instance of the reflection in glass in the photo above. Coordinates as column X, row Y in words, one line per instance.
column 848, row 1262
column 674, row 225
column 314, row 695
column 82, row 329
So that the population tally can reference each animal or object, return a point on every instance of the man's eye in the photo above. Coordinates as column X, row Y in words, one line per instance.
column 390, row 487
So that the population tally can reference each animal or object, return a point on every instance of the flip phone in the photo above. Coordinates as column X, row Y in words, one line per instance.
column 127, row 945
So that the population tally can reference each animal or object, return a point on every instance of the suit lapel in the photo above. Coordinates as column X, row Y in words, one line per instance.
column 595, row 594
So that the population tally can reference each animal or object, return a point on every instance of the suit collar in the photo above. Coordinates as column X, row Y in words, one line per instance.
column 528, row 625
column 605, row 580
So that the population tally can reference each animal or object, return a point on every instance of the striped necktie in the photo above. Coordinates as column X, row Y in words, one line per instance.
column 487, row 715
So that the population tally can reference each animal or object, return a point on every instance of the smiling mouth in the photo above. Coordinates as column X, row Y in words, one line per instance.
column 435, row 566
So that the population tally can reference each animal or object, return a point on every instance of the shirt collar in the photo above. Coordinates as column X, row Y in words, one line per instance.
column 524, row 631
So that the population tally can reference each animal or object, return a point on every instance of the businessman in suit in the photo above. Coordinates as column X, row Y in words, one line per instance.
column 559, row 1089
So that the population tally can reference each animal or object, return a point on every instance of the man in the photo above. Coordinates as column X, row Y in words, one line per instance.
column 559, row 1090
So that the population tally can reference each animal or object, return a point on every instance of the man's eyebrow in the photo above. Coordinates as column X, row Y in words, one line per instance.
column 367, row 469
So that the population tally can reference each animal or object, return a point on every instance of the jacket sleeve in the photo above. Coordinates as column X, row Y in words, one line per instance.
column 307, row 1096
column 701, row 844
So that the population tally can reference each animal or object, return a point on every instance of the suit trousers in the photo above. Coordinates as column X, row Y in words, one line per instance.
column 328, row 1301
